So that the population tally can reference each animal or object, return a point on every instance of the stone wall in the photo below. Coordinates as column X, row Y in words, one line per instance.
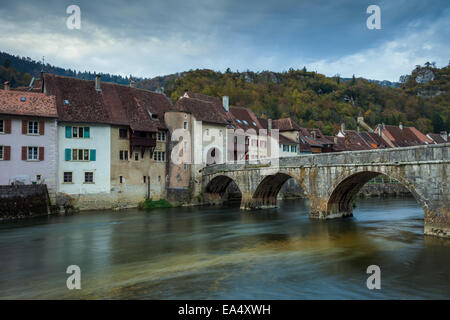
column 23, row 201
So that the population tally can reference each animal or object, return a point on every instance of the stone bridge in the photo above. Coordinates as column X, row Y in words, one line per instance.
column 331, row 180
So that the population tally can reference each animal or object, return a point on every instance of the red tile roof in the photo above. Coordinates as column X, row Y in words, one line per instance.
column 247, row 119
column 202, row 110
column 34, row 104
column 408, row 136
column 78, row 101
column 285, row 124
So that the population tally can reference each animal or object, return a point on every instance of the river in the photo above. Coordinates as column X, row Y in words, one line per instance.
column 223, row 253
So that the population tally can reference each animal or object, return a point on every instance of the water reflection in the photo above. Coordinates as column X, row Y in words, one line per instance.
column 223, row 253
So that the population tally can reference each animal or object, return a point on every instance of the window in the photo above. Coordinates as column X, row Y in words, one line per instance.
column 88, row 177
column 123, row 155
column 285, row 148
column 80, row 154
column 293, row 148
column 2, row 126
column 66, row 102
column 123, row 133
column 207, row 132
column 159, row 156
column 245, row 122
column 38, row 177
column 33, row 153
column 67, row 177
column 78, row 132
column 220, row 132
column 121, row 179
column 145, row 179
column 136, row 156
column 185, row 125
column 159, row 178
column 1, row 153
column 33, row 127
column 161, row 136
column 185, row 167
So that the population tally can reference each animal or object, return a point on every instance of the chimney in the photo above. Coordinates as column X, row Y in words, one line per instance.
column 444, row 135
column 314, row 134
column 97, row 82
column 131, row 82
column 7, row 86
column 357, row 129
column 269, row 125
column 400, row 125
column 225, row 103
column 335, row 140
column 343, row 128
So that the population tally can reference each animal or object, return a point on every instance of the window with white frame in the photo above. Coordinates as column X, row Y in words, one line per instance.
column 2, row 153
column 161, row 136
column 33, row 127
column 185, row 125
column 159, row 156
column 33, row 153
column 78, row 132
column 2, row 126
column 80, row 154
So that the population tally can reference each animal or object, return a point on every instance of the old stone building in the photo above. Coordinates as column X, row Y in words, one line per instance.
column 108, row 143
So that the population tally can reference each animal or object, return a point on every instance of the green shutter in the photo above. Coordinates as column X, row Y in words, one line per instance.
column 86, row 132
column 93, row 155
column 68, row 154
column 68, row 132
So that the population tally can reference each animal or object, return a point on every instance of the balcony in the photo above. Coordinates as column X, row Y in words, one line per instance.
column 147, row 142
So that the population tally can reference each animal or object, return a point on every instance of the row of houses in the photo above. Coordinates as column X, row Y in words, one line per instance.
column 99, row 145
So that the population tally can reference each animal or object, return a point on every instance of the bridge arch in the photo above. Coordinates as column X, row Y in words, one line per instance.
column 344, row 190
column 265, row 195
column 217, row 187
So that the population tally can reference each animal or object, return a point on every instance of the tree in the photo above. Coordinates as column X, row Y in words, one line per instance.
column 437, row 122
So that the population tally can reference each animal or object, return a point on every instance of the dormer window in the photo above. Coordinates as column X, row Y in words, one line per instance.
column 23, row 99
column 66, row 102
column 245, row 122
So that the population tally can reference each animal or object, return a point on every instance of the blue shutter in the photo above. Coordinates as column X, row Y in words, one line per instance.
column 93, row 155
column 86, row 132
column 68, row 154
column 68, row 132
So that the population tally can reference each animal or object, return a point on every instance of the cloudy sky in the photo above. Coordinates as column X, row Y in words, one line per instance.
column 158, row 37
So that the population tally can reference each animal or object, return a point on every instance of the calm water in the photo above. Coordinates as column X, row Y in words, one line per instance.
column 222, row 253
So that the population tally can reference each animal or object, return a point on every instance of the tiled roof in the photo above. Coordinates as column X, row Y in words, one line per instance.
column 373, row 139
column 202, row 110
column 285, row 124
column 247, row 119
column 353, row 141
column 307, row 135
column 78, row 101
column 408, row 136
column 27, row 104
column 437, row 138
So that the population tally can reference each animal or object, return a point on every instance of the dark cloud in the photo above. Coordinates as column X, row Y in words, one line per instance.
column 156, row 37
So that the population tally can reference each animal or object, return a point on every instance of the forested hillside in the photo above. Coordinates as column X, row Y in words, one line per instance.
column 422, row 99
column 25, row 65
column 314, row 100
